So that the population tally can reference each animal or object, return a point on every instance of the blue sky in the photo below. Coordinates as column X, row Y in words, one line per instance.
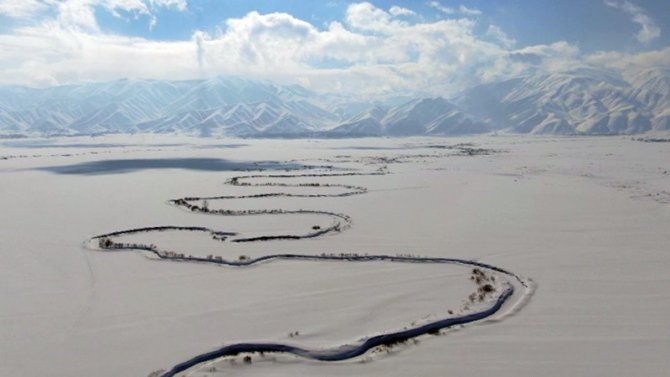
column 385, row 44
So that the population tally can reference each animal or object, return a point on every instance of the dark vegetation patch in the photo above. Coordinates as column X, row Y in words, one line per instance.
column 653, row 140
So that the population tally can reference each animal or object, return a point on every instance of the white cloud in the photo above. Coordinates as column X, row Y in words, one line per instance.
column 558, row 56
column 21, row 8
column 400, row 11
column 81, row 13
column 77, row 14
column 441, row 8
column 648, row 28
column 497, row 33
column 369, row 52
column 630, row 63
column 462, row 9
column 177, row 4
column 555, row 49
column 367, row 17
column 469, row 11
column 53, row 54
column 199, row 38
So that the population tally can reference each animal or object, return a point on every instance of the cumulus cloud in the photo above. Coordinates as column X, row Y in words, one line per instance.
column 648, row 28
column 367, row 17
column 369, row 52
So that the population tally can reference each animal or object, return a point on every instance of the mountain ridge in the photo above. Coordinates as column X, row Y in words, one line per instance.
column 578, row 102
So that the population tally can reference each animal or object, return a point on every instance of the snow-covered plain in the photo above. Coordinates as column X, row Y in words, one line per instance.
column 585, row 218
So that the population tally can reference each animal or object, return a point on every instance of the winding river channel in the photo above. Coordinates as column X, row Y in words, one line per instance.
column 504, row 297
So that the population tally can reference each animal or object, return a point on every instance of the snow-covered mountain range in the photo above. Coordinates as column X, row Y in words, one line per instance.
column 583, row 101
column 579, row 102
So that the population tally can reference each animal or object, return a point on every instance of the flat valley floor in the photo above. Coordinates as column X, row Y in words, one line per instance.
column 586, row 220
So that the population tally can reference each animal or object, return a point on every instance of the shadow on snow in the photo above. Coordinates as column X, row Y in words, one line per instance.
column 132, row 165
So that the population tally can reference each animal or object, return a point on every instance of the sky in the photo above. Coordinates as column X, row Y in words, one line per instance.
column 375, row 47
